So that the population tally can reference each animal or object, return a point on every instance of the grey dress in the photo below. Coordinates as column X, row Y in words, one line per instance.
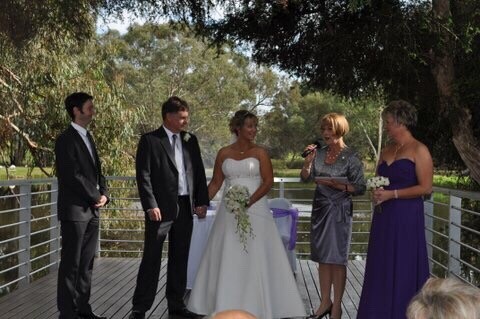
column 331, row 220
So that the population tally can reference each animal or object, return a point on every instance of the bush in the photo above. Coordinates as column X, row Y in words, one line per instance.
column 278, row 164
column 295, row 164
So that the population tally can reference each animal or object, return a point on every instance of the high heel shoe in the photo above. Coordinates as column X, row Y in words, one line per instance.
column 323, row 314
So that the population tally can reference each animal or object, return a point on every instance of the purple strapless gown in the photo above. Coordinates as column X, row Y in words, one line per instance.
column 397, row 262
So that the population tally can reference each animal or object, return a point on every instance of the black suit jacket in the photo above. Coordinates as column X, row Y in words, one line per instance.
column 157, row 174
column 80, row 179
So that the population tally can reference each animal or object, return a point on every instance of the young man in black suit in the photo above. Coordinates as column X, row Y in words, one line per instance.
column 172, row 186
column 81, row 192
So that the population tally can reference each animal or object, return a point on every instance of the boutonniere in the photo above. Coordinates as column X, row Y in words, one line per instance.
column 186, row 137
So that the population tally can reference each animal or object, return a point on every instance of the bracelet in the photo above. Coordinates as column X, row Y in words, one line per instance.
column 395, row 193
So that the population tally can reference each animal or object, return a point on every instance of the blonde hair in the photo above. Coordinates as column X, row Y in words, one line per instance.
column 447, row 298
column 232, row 314
column 338, row 122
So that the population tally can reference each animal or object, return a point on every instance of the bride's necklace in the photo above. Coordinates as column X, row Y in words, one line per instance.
column 242, row 150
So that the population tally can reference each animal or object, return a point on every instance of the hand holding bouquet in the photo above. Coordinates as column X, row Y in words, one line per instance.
column 236, row 201
column 377, row 182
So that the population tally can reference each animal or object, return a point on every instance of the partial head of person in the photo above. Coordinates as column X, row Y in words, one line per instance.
column 232, row 314
column 333, row 125
column 243, row 119
column 400, row 112
column 79, row 106
column 175, row 114
column 445, row 298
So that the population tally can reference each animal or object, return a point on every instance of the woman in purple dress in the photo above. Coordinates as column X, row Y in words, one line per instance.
column 397, row 262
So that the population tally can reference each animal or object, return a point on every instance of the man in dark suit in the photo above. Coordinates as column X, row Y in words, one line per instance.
column 81, row 192
column 171, row 181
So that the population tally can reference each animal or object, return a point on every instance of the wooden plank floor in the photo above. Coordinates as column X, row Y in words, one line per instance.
column 114, row 282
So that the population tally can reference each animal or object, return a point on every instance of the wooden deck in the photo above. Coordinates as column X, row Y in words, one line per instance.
column 114, row 281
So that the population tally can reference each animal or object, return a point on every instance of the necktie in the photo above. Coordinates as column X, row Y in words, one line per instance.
column 92, row 146
column 178, row 155
column 174, row 144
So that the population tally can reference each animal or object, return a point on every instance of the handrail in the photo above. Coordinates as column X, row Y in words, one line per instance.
column 30, row 234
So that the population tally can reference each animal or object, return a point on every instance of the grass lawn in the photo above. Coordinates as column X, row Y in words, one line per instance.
column 23, row 173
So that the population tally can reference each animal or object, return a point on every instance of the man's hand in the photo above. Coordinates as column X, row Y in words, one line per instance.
column 154, row 214
column 101, row 202
column 201, row 211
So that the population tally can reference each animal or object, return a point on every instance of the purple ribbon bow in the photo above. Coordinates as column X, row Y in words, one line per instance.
column 280, row 212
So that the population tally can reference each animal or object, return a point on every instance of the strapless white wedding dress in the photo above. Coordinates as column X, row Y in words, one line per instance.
column 259, row 280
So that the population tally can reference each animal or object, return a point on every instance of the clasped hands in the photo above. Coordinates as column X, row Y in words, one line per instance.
column 155, row 214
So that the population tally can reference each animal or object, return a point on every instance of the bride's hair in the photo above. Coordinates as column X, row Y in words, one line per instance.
column 238, row 120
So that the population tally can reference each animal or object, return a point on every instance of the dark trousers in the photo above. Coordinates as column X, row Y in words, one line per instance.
column 79, row 243
column 179, row 234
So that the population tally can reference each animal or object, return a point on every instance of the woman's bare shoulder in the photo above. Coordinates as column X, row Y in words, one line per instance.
column 261, row 151
column 224, row 152
column 421, row 149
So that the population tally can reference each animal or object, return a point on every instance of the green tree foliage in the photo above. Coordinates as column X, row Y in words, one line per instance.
column 426, row 52
column 51, row 20
column 35, row 81
column 294, row 121
column 157, row 61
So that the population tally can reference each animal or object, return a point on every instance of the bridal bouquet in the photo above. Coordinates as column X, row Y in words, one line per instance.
column 236, row 200
column 377, row 182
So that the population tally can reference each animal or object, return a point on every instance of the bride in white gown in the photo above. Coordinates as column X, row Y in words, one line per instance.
column 258, row 279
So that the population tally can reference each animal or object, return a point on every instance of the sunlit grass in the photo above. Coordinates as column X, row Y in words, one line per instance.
column 23, row 173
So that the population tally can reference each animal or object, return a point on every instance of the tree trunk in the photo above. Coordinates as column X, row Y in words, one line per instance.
column 443, row 71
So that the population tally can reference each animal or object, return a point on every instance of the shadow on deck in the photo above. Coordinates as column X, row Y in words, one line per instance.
column 114, row 280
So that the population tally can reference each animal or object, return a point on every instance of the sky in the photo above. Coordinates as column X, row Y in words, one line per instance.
column 121, row 25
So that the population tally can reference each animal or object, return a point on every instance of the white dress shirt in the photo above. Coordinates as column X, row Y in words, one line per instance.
column 83, row 134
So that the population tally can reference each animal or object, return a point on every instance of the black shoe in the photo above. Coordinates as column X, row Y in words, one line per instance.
column 137, row 315
column 325, row 313
column 183, row 312
column 91, row 316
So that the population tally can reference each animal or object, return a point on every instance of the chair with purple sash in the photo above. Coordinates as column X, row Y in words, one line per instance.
column 286, row 218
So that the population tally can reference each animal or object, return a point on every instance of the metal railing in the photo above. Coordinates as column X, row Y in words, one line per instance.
column 30, row 236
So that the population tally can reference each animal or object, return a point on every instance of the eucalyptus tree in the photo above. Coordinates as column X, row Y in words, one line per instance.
column 294, row 122
column 423, row 51
column 157, row 61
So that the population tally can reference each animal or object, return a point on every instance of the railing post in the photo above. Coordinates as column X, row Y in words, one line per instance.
column 54, row 227
column 24, row 233
column 428, row 213
column 282, row 189
column 454, row 235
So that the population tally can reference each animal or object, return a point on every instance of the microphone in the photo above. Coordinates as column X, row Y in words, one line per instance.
column 317, row 145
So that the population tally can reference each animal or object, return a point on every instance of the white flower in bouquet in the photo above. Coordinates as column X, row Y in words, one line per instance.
column 186, row 137
column 236, row 200
column 377, row 182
